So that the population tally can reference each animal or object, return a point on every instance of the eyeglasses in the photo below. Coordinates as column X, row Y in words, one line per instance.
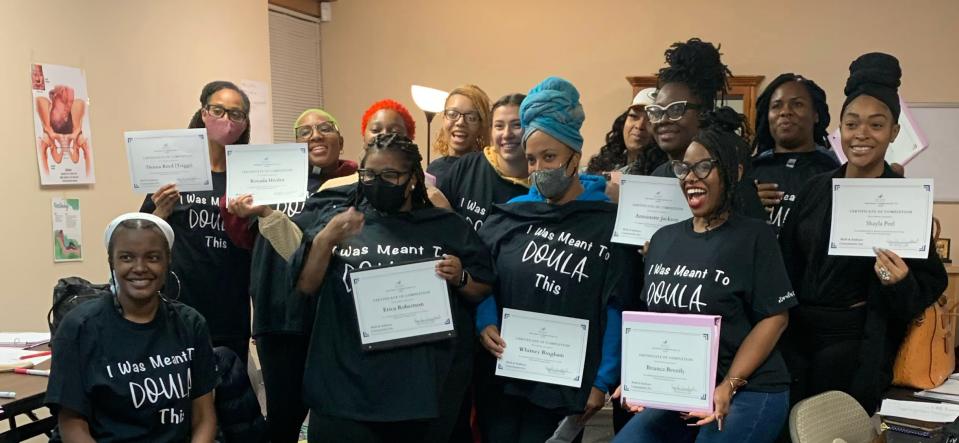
column 367, row 176
column 700, row 169
column 454, row 115
column 674, row 111
column 306, row 131
column 219, row 111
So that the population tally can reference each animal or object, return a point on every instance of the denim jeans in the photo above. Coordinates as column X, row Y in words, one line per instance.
column 754, row 417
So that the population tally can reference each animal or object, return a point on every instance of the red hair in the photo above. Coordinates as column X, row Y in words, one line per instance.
column 392, row 105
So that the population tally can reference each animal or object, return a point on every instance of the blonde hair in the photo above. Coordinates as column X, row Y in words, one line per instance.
column 481, row 103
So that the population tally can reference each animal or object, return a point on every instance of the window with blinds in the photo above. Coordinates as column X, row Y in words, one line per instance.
column 294, row 68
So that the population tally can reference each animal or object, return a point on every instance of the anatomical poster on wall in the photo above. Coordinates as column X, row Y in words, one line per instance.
column 66, row 230
column 61, row 121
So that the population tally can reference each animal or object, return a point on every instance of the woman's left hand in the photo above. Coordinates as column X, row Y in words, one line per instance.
column 722, row 396
column 450, row 269
column 889, row 267
column 596, row 401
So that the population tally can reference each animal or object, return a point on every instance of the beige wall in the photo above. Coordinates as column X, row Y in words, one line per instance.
column 376, row 48
column 145, row 62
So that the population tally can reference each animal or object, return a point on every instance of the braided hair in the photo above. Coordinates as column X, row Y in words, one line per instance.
column 720, row 138
column 764, row 138
column 697, row 65
column 410, row 152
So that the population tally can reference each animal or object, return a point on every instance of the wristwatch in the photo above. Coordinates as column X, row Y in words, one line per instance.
column 464, row 278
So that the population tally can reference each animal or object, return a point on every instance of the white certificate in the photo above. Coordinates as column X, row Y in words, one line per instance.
column 669, row 360
column 894, row 214
column 272, row 173
column 179, row 156
column 645, row 205
column 401, row 304
column 542, row 347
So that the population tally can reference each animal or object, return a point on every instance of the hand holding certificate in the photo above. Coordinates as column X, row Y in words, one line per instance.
column 179, row 156
column 401, row 305
column 645, row 205
column 893, row 214
column 669, row 360
column 542, row 347
column 272, row 173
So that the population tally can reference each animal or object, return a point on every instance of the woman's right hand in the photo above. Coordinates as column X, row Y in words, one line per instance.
column 769, row 195
column 242, row 207
column 491, row 340
column 341, row 227
column 165, row 199
column 618, row 395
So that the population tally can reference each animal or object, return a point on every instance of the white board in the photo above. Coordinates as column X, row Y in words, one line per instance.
column 940, row 122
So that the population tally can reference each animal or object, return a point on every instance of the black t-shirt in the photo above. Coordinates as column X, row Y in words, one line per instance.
column 558, row 260
column 396, row 384
column 735, row 271
column 472, row 186
column 745, row 199
column 131, row 382
column 214, row 274
column 441, row 166
column 790, row 171
column 277, row 306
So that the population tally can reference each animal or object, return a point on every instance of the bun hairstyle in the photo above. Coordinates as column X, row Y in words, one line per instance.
column 720, row 134
column 697, row 65
column 877, row 75
column 820, row 134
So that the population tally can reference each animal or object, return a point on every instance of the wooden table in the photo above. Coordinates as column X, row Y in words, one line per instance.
column 30, row 390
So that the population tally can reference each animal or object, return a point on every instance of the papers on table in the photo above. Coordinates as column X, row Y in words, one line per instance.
column 11, row 358
column 272, row 173
column 178, row 156
column 401, row 305
column 23, row 339
column 542, row 347
column 894, row 214
column 920, row 410
column 948, row 391
column 645, row 205
column 669, row 360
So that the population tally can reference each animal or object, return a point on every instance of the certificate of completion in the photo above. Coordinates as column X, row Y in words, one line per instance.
column 272, row 173
column 645, row 205
column 179, row 156
column 401, row 305
column 542, row 347
column 669, row 360
column 893, row 214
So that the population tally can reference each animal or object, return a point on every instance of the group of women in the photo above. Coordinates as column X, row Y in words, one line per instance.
column 512, row 222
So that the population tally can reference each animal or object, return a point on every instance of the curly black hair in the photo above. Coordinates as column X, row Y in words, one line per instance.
column 718, row 134
column 763, row 140
column 697, row 65
column 613, row 154
column 411, row 153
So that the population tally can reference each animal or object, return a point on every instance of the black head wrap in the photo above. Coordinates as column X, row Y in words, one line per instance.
column 877, row 75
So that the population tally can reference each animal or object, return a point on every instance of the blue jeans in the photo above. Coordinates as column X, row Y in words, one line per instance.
column 754, row 417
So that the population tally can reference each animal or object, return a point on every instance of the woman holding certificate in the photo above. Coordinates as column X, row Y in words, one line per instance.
column 853, row 311
column 212, row 272
column 406, row 387
column 724, row 264
column 557, row 347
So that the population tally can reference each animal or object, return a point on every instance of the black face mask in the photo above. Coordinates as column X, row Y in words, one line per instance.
column 385, row 196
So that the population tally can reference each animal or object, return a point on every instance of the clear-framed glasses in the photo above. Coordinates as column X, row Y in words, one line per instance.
column 218, row 111
column 673, row 111
column 454, row 115
column 700, row 169
column 368, row 176
column 304, row 132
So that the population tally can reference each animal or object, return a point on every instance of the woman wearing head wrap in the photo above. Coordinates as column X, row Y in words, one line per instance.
column 466, row 126
column 853, row 311
column 135, row 365
column 751, row 384
column 214, row 272
column 281, row 317
column 791, row 142
column 567, row 215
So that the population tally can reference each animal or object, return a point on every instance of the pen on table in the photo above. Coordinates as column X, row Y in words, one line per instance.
column 38, row 354
column 8, row 394
column 40, row 372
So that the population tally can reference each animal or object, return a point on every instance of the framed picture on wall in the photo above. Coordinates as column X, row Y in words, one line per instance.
column 943, row 246
column 741, row 96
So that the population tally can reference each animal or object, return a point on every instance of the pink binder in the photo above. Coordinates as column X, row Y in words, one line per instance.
column 671, row 332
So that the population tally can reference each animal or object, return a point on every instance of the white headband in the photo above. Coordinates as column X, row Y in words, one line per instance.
column 164, row 226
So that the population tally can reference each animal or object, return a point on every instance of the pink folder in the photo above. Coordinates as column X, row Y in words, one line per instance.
column 708, row 325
